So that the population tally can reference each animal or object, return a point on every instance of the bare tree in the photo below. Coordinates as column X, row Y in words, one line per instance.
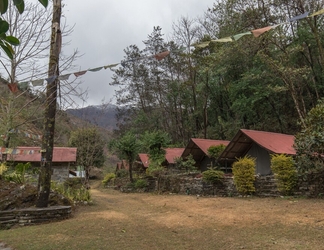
column 32, row 28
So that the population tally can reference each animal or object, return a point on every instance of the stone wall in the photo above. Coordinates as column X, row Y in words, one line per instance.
column 266, row 186
column 193, row 184
column 30, row 216
column 311, row 185
column 60, row 173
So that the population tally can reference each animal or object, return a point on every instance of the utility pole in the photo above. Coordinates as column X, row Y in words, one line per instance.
column 44, row 181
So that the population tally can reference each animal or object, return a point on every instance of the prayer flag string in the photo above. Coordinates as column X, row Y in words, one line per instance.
column 256, row 32
column 14, row 87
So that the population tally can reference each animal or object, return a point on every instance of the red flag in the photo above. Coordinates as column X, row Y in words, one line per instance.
column 80, row 73
column 13, row 87
column 258, row 32
column 161, row 55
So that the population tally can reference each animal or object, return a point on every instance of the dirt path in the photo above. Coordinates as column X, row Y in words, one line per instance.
column 148, row 221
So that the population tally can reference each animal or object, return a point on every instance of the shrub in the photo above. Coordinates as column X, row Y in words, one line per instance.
column 108, row 178
column 285, row 172
column 244, row 175
column 214, row 152
column 3, row 168
column 140, row 183
column 14, row 177
column 72, row 193
column 213, row 176
column 121, row 173
column 154, row 170
column 309, row 143
column 18, row 176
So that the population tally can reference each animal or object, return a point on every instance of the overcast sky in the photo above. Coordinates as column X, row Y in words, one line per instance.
column 103, row 29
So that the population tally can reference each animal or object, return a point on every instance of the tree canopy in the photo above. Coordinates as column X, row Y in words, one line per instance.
column 266, row 83
column 7, row 41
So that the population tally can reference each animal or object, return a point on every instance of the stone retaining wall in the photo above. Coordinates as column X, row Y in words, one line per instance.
column 311, row 185
column 30, row 216
column 193, row 184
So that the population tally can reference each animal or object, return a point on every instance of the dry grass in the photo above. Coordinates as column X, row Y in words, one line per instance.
column 147, row 221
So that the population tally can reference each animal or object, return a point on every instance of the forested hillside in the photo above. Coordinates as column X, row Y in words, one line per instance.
column 265, row 83
column 103, row 116
column 22, row 117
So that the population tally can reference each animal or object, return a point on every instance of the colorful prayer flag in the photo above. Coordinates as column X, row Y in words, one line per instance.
column 161, row 55
column 299, row 17
column 64, row 77
column 13, row 87
column 110, row 66
column 38, row 82
column 223, row 40
column 201, row 45
column 50, row 79
column 95, row 69
column 259, row 32
column 80, row 73
column 320, row 12
column 238, row 36
column 23, row 86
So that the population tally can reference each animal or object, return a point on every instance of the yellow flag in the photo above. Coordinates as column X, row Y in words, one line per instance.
column 320, row 12
column 223, row 40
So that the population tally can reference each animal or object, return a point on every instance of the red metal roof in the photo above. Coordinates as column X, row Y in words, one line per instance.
column 172, row 153
column 60, row 154
column 274, row 142
column 198, row 148
column 204, row 144
column 144, row 159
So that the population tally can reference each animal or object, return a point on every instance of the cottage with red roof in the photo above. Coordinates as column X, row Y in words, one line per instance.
column 259, row 145
column 63, row 159
column 198, row 148
column 171, row 154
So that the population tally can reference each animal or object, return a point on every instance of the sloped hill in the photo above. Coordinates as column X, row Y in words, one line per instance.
column 102, row 115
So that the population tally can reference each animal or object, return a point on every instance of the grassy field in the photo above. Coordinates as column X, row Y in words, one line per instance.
column 149, row 221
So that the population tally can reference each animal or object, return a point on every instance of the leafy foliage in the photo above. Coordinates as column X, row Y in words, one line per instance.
column 267, row 83
column 108, row 177
column 153, row 143
column 18, row 176
column 213, row 176
column 140, row 183
column 309, row 143
column 7, row 41
column 189, row 164
column 121, row 173
column 244, row 175
column 90, row 148
column 285, row 172
column 73, row 193
column 214, row 152
column 3, row 168
column 126, row 147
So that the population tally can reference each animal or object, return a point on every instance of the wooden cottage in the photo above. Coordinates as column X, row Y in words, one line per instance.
column 259, row 145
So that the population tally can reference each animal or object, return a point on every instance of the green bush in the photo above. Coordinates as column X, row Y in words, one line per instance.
column 14, row 177
column 121, row 173
column 72, row 193
column 3, row 168
column 18, row 176
column 285, row 173
column 154, row 170
column 140, row 183
column 244, row 175
column 213, row 176
column 108, row 178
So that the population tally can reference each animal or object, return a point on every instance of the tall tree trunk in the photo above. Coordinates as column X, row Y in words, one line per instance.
column 44, row 182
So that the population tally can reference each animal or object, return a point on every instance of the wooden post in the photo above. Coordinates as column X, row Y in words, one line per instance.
column 44, row 181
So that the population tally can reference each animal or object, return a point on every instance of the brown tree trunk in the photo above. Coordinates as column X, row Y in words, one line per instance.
column 44, row 181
